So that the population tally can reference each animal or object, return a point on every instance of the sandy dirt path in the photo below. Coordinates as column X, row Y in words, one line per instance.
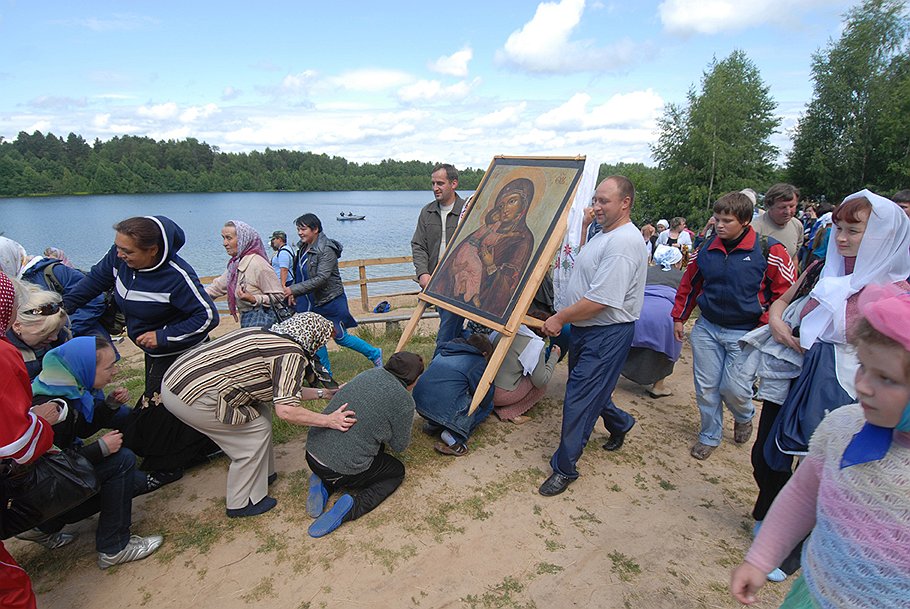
column 647, row 526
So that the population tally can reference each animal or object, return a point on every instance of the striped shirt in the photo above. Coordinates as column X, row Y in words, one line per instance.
column 247, row 367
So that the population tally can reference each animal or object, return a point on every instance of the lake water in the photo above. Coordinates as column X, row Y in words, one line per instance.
column 81, row 226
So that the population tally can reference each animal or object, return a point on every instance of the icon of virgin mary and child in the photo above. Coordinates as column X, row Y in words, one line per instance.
column 485, row 269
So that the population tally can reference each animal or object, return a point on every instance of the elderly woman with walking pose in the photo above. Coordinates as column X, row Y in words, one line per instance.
column 317, row 287
column 249, row 281
column 226, row 389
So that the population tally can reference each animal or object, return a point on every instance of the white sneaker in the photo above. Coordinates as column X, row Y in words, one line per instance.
column 51, row 541
column 136, row 549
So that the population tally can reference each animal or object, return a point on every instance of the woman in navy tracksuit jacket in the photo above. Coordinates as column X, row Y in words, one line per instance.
column 167, row 313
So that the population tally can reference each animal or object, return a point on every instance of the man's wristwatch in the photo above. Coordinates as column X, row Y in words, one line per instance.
column 319, row 394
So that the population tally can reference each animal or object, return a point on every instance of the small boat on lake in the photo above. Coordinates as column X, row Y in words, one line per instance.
column 348, row 217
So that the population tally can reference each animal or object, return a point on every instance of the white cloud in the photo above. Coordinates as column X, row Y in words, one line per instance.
column 43, row 126
column 509, row 115
column 458, row 134
column 298, row 83
column 544, row 44
column 195, row 113
column 435, row 91
column 55, row 102
column 117, row 23
column 455, row 64
column 159, row 111
column 545, row 35
column 104, row 124
column 570, row 113
column 319, row 130
column 628, row 110
column 177, row 133
column 230, row 93
column 114, row 96
column 370, row 80
column 713, row 16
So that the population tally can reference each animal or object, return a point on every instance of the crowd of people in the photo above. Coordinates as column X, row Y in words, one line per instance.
column 803, row 313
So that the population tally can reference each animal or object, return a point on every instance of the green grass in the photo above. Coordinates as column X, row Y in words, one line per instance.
column 499, row 596
column 623, row 566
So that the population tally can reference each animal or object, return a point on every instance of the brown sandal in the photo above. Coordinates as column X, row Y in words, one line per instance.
column 742, row 432
column 701, row 451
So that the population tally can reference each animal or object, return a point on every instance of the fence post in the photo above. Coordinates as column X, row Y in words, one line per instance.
column 364, row 296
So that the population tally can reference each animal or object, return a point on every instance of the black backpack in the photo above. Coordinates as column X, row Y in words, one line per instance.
column 112, row 319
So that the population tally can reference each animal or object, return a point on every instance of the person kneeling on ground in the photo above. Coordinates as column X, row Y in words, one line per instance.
column 523, row 376
column 73, row 376
column 444, row 393
column 226, row 388
column 357, row 459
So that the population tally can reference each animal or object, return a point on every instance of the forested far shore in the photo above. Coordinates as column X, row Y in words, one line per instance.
column 40, row 164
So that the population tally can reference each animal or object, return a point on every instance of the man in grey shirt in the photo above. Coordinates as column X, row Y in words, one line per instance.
column 607, row 289
column 356, row 458
column 779, row 220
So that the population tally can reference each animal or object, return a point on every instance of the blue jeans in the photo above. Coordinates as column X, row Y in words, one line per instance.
column 596, row 357
column 451, row 326
column 714, row 350
column 479, row 416
column 355, row 343
column 113, row 503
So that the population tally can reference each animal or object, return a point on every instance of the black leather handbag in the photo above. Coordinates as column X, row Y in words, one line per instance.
column 280, row 308
column 53, row 484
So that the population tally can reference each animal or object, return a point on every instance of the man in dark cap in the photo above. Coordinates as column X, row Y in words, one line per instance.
column 356, row 459
column 283, row 258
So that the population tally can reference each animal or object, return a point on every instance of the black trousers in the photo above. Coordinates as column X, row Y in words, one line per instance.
column 164, row 442
column 769, row 481
column 373, row 486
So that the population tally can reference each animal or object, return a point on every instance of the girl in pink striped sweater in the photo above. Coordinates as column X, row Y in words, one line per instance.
column 852, row 492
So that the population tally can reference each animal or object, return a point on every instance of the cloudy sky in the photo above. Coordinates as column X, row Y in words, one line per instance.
column 396, row 79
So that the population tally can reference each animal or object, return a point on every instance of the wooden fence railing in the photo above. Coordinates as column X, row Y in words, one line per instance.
column 363, row 280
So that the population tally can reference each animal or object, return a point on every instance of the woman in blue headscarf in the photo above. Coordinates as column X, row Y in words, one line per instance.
column 73, row 376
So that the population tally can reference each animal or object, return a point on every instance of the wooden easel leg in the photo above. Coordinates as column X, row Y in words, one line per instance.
column 499, row 354
column 412, row 325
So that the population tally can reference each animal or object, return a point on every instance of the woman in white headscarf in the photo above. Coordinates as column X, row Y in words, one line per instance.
column 870, row 244
column 655, row 349
column 12, row 257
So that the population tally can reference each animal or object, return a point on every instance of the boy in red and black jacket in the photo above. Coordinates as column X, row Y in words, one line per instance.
column 733, row 278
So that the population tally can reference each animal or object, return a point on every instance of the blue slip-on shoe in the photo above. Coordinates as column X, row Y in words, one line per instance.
column 253, row 509
column 332, row 519
column 317, row 497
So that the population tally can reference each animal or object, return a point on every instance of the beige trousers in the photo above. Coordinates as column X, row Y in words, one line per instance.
column 249, row 446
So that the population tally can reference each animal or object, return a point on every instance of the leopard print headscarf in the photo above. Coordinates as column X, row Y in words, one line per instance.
column 309, row 330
